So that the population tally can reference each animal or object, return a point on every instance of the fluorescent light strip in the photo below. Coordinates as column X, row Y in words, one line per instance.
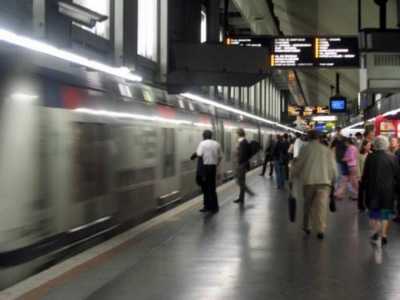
column 354, row 125
column 40, row 47
column 324, row 118
column 112, row 114
column 24, row 97
column 388, row 113
column 202, row 125
column 237, row 111
column 392, row 112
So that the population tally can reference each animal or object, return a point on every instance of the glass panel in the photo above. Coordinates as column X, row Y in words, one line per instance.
column 101, row 29
column 148, row 29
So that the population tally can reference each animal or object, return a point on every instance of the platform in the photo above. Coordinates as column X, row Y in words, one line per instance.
column 251, row 252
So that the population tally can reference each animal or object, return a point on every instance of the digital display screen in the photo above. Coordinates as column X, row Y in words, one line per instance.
column 321, row 52
column 320, row 127
column 292, row 52
column 307, row 111
column 306, row 51
column 338, row 105
column 249, row 41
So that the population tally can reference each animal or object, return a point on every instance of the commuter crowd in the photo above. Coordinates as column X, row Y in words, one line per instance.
column 318, row 170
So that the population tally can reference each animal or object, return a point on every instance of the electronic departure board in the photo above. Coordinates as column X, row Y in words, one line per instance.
column 309, row 51
column 292, row 52
column 249, row 41
column 323, row 52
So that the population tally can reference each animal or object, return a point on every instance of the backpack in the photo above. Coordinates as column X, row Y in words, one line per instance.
column 254, row 148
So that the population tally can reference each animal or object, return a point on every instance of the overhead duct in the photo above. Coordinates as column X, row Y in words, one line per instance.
column 258, row 15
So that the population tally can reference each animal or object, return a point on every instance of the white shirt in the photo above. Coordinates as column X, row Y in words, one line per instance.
column 210, row 151
column 298, row 144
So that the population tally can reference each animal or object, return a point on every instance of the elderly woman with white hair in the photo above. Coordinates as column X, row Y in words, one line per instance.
column 380, row 181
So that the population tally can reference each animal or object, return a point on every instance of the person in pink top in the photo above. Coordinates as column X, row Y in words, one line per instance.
column 351, row 178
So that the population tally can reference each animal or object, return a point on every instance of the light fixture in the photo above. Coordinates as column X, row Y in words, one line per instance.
column 124, row 90
column 114, row 114
column 324, row 118
column 80, row 14
column 40, row 47
column 392, row 112
column 354, row 125
column 237, row 111
column 202, row 125
column 389, row 113
column 24, row 97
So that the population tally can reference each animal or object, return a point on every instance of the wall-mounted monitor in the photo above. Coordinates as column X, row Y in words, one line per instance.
column 338, row 105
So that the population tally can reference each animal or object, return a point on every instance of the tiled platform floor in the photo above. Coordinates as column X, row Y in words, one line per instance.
column 244, row 253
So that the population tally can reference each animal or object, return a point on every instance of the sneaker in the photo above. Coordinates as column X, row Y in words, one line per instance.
column 376, row 240
column 320, row 236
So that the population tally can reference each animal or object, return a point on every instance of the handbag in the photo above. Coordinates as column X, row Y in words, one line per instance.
column 332, row 200
column 292, row 208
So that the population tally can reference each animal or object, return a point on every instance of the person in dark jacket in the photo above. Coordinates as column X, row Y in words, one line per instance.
column 281, row 159
column 380, row 180
column 268, row 156
column 243, row 165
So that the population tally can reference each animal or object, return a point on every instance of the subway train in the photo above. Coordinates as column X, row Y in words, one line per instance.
column 79, row 165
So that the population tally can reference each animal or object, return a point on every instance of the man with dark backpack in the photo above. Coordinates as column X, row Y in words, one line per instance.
column 244, row 153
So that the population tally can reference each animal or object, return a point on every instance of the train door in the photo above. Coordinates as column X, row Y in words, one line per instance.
column 136, row 169
column 169, row 187
column 188, row 140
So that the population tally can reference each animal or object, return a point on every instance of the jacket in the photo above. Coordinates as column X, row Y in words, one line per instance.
column 280, row 152
column 316, row 164
column 360, row 164
column 380, row 180
column 243, row 152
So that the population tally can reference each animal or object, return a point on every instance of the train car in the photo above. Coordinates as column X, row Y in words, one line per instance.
column 79, row 165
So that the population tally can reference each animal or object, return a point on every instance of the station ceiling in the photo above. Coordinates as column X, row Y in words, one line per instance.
column 314, row 17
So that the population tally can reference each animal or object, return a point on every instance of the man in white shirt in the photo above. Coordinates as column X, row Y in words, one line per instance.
column 210, row 153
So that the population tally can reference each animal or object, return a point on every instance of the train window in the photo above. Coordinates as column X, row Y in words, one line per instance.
column 148, row 29
column 101, row 29
column 168, row 152
column 149, row 142
column 91, row 152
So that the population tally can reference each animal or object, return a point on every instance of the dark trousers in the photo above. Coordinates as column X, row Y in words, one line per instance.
column 280, row 174
column 209, row 187
column 271, row 166
column 241, row 181
column 360, row 198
